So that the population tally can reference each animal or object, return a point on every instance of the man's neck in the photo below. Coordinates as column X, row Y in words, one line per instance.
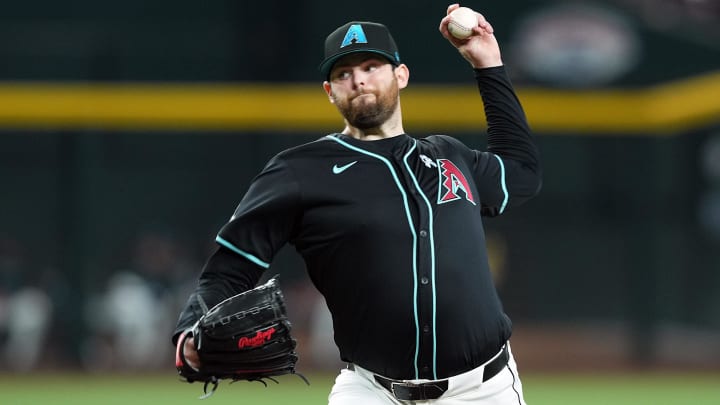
column 369, row 135
column 388, row 129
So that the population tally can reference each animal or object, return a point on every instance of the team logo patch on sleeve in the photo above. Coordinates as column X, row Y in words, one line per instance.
column 452, row 183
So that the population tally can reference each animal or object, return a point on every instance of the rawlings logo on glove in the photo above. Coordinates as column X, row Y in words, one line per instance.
column 256, row 340
column 245, row 337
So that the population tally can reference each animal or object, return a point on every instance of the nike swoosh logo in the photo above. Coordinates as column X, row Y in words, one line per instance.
column 340, row 169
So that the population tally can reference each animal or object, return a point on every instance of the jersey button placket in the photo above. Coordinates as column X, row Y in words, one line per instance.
column 425, row 309
column 424, row 268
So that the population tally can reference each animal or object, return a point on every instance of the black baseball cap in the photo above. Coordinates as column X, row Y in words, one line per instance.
column 358, row 36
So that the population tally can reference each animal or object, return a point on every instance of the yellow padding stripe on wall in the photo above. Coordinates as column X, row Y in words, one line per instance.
column 664, row 109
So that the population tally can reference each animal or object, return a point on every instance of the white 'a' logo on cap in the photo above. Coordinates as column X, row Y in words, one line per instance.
column 354, row 35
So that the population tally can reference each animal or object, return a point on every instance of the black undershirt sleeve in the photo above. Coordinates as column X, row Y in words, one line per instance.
column 509, row 134
column 224, row 274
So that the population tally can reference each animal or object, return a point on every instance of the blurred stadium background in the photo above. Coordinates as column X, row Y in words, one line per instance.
column 129, row 131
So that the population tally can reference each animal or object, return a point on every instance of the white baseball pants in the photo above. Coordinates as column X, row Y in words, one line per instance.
column 359, row 387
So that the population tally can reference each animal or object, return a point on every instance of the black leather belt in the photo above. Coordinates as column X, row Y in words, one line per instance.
column 497, row 365
column 407, row 391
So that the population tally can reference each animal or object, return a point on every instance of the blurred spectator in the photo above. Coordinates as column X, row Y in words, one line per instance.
column 25, row 309
column 130, row 318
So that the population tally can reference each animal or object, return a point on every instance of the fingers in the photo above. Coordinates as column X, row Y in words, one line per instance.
column 452, row 7
column 443, row 27
column 446, row 20
column 191, row 354
column 483, row 26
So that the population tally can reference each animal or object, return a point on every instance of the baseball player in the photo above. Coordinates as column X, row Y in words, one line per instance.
column 390, row 228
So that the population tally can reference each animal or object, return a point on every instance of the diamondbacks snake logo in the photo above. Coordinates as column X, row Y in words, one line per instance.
column 452, row 181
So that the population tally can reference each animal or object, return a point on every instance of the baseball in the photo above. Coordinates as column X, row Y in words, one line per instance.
column 462, row 22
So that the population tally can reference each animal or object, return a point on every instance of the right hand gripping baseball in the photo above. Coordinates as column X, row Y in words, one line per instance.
column 481, row 49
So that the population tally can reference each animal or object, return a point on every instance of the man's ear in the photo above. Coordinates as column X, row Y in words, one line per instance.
column 402, row 73
column 328, row 90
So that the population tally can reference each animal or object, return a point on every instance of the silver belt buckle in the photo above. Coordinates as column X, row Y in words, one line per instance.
column 403, row 385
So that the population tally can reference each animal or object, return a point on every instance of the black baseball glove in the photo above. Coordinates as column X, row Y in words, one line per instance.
column 245, row 337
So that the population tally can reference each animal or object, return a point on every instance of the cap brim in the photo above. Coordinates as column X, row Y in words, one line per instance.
column 328, row 63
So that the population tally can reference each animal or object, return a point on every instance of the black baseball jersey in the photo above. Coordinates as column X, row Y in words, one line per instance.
column 391, row 232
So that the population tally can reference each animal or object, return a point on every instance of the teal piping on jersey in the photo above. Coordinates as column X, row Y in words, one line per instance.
column 431, row 235
column 502, row 182
column 412, row 230
column 244, row 254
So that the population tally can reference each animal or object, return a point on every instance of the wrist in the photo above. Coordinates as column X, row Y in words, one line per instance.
column 488, row 71
column 486, row 63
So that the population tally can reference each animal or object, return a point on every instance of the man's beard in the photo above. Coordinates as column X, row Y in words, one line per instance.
column 370, row 115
